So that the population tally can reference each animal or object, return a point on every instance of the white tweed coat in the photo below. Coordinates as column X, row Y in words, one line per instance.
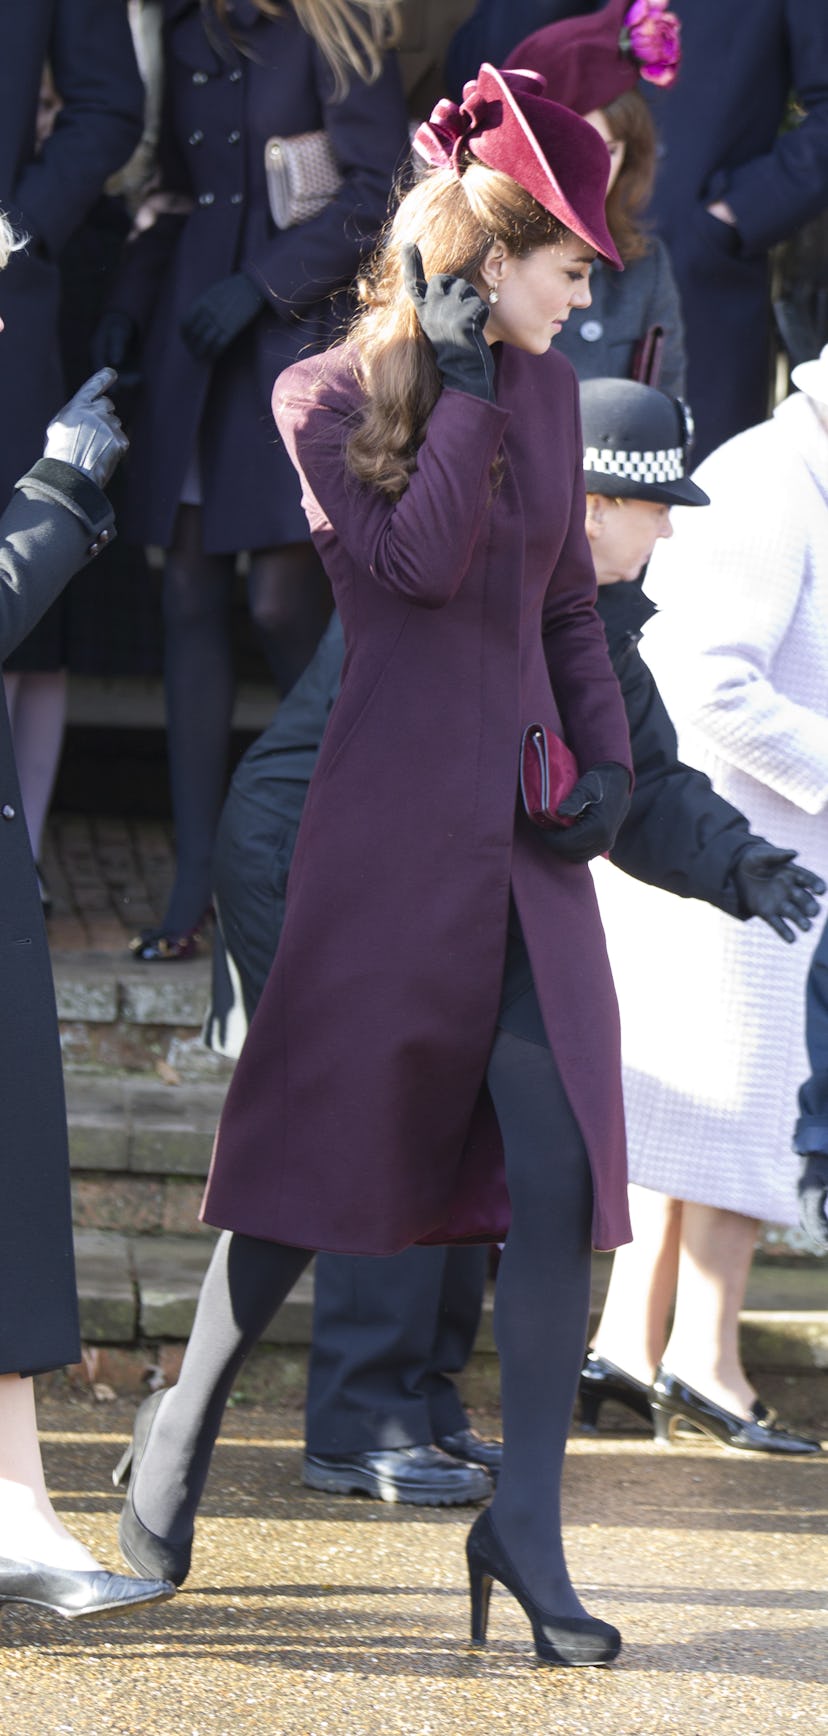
column 712, row 1010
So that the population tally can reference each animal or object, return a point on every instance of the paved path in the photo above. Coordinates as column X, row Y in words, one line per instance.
column 309, row 1615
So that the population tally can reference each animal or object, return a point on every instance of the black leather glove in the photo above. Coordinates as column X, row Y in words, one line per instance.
column 598, row 803
column 86, row 432
column 452, row 317
column 115, row 344
column 217, row 316
column 768, row 885
column 813, row 1196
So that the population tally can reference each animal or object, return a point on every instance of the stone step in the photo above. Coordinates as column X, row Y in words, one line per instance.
column 141, row 1291
column 115, row 1015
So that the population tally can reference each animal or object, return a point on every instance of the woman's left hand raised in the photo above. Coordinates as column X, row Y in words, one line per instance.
column 452, row 316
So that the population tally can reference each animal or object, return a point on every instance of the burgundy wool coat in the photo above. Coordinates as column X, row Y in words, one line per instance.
column 358, row 1118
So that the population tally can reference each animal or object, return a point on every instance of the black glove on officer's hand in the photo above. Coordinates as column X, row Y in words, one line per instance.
column 452, row 317
column 598, row 803
column 115, row 345
column 813, row 1196
column 217, row 316
column 768, row 885
column 86, row 432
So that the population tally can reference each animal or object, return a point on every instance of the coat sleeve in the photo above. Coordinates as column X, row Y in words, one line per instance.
column 775, row 194
column 730, row 583
column 368, row 130
column 665, row 310
column 98, row 125
column 56, row 520
column 583, row 681
column 419, row 546
column 678, row 833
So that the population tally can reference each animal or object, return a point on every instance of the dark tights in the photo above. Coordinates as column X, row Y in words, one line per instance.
column 541, row 1312
column 288, row 597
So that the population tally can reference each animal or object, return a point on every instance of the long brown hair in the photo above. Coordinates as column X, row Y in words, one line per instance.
column 352, row 34
column 630, row 121
column 454, row 221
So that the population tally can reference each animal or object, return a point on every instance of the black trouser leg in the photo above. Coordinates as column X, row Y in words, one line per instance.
column 246, row 1282
column 460, row 1305
column 374, row 1328
column 290, row 602
column 541, row 1298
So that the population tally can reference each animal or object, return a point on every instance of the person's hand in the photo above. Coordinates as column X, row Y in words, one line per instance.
column 769, row 885
column 813, row 1197
column 452, row 316
column 219, row 313
column 115, row 345
column 596, row 806
column 86, row 432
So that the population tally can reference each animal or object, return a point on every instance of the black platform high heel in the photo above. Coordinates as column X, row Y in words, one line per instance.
column 145, row 1552
column 673, row 1402
column 601, row 1380
column 569, row 1640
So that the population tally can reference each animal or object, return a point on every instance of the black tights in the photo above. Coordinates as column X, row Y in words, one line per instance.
column 541, row 1310
column 288, row 598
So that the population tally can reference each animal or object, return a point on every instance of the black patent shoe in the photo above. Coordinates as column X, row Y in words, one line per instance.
column 420, row 1476
column 572, row 1640
column 154, row 946
column 145, row 1552
column 672, row 1402
column 601, row 1380
column 468, row 1446
column 74, row 1592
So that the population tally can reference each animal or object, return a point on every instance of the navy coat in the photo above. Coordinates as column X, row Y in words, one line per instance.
column 722, row 137
column 223, row 100
column 720, row 132
column 56, row 520
column 48, row 192
column 358, row 1118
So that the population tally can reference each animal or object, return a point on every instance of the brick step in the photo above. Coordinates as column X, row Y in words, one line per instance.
column 116, row 1015
column 142, row 1290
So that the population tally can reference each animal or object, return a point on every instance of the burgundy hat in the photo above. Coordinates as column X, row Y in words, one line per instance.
column 506, row 122
column 588, row 62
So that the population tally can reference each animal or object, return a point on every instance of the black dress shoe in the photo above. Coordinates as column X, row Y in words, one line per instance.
column 559, row 1639
column 73, row 1592
column 468, row 1446
column 145, row 1552
column 672, row 1402
column 601, row 1380
column 422, row 1476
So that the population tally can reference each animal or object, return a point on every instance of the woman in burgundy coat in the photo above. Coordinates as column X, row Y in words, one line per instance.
column 441, row 995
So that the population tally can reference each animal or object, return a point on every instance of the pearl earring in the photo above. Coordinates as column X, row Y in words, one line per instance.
column 493, row 297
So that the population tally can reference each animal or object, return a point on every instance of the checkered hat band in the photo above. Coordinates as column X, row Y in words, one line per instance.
column 666, row 465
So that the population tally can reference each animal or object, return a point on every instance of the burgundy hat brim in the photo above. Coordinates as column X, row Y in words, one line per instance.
column 507, row 124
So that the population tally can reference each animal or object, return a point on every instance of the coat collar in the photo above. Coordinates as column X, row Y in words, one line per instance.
column 624, row 610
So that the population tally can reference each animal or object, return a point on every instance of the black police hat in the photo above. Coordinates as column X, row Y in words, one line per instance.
column 635, row 443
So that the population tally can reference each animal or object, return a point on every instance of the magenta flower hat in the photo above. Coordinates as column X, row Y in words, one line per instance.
column 588, row 62
column 507, row 122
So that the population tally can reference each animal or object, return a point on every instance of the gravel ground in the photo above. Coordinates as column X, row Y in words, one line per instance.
column 309, row 1615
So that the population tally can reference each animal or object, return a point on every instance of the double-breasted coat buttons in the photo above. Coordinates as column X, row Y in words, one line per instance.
column 591, row 331
column 7, row 811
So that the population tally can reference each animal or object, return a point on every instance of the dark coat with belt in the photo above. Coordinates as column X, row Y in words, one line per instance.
column 224, row 98
column 56, row 520
column 358, row 1119
column 722, row 134
column 47, row 192
column 721, row 139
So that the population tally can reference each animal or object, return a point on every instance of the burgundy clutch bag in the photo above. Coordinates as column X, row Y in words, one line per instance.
column 548, row 772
